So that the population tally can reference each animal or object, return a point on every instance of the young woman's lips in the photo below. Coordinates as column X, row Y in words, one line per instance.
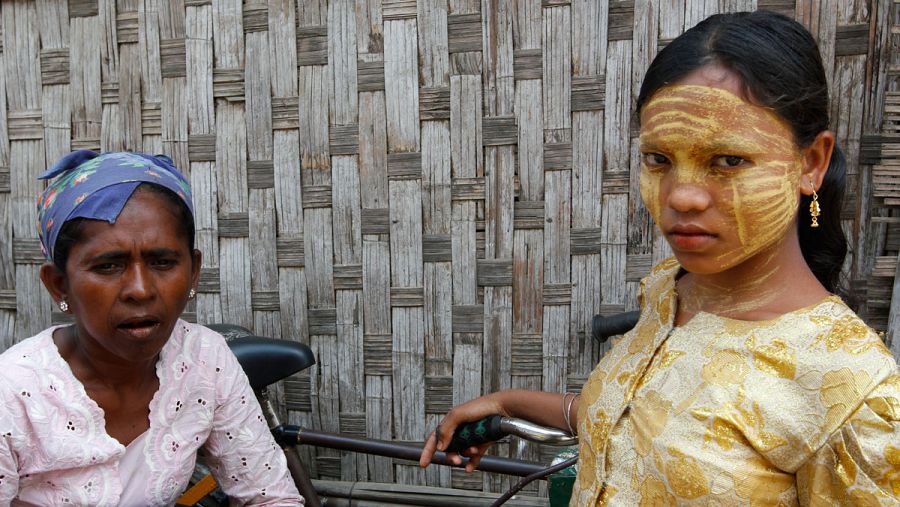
column 690, row 238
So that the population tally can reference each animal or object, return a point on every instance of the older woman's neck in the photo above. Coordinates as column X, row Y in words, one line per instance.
column 97, row 368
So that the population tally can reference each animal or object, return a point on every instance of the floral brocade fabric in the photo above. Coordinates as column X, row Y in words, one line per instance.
column 803, row 409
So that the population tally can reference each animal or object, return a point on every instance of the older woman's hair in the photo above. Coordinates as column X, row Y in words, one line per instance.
column 781, row 68
column 71, row 230
column 86, row 185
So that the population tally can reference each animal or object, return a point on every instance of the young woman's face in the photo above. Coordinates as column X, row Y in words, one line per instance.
column 719, row 175
column 127, row 283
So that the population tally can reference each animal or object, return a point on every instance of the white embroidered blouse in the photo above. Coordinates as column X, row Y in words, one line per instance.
column 54, row 449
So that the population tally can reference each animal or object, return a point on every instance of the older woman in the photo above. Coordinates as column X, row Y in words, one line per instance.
column 112, row 409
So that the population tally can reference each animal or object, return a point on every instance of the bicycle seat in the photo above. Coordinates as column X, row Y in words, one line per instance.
column 230, row 331
column 267, row 360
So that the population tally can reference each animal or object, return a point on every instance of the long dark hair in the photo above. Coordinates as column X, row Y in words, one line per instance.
column 781, row 68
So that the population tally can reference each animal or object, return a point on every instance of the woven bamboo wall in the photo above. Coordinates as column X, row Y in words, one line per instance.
column 435, row 195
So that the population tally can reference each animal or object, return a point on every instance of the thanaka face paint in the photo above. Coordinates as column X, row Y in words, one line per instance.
column 719, row 175
column 725, row 298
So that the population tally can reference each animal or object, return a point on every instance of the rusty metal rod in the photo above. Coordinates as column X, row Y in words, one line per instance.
column 301, row 477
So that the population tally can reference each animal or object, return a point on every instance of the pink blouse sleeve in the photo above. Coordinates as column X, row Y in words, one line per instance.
column 247, row 463
column 9, row 475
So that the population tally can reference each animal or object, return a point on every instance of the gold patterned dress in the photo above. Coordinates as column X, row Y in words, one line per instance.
column 803, row 409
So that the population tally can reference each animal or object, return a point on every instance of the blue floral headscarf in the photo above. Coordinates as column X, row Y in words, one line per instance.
column 97, row 186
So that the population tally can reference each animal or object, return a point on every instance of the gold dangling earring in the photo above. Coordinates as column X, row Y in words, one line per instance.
column 814, row 209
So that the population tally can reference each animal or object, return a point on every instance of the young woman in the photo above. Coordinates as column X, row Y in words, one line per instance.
column 746, row 380
column 112, row 409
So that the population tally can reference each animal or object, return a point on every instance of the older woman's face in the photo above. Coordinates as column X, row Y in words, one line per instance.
column 719, row 175
column 127, row 283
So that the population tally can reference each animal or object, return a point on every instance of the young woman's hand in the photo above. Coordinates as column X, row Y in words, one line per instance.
column 543, row 408
column 470, row 411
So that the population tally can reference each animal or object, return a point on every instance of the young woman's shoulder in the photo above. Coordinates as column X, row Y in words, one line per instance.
column 851, row 357
column 855, row 457
column 837, row 336
column 829, row 364
column 836, row 349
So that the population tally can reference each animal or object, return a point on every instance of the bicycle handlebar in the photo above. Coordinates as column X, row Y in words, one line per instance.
column 495, row 427
column 476, row 433
column 602, row 328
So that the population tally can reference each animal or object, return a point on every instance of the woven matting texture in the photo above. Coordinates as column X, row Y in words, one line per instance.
column 436, row 195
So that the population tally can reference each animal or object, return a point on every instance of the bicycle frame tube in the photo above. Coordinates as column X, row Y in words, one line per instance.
column 287, row 434
column 298, row 471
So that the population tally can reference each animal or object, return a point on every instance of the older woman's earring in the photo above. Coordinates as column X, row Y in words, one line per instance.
column 815, row 210
column 63, row 306
column 191, row 294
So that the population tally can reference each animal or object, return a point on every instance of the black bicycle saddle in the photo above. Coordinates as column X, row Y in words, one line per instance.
column 230, row 331
column 265, row 360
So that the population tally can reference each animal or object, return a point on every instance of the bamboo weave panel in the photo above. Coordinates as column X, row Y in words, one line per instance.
column 435, row 195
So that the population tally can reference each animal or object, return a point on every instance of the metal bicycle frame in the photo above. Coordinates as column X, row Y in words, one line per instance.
column 295, row 465
column 289, row 436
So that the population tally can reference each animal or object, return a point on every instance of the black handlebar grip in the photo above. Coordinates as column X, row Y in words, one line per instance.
column 476, row 433
column 604, row 327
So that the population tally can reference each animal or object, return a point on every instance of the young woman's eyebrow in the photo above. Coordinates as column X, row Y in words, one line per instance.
column 730, row 148
column 649, row 147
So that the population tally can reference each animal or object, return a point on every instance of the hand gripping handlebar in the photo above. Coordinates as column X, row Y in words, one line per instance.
column 495, row 427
